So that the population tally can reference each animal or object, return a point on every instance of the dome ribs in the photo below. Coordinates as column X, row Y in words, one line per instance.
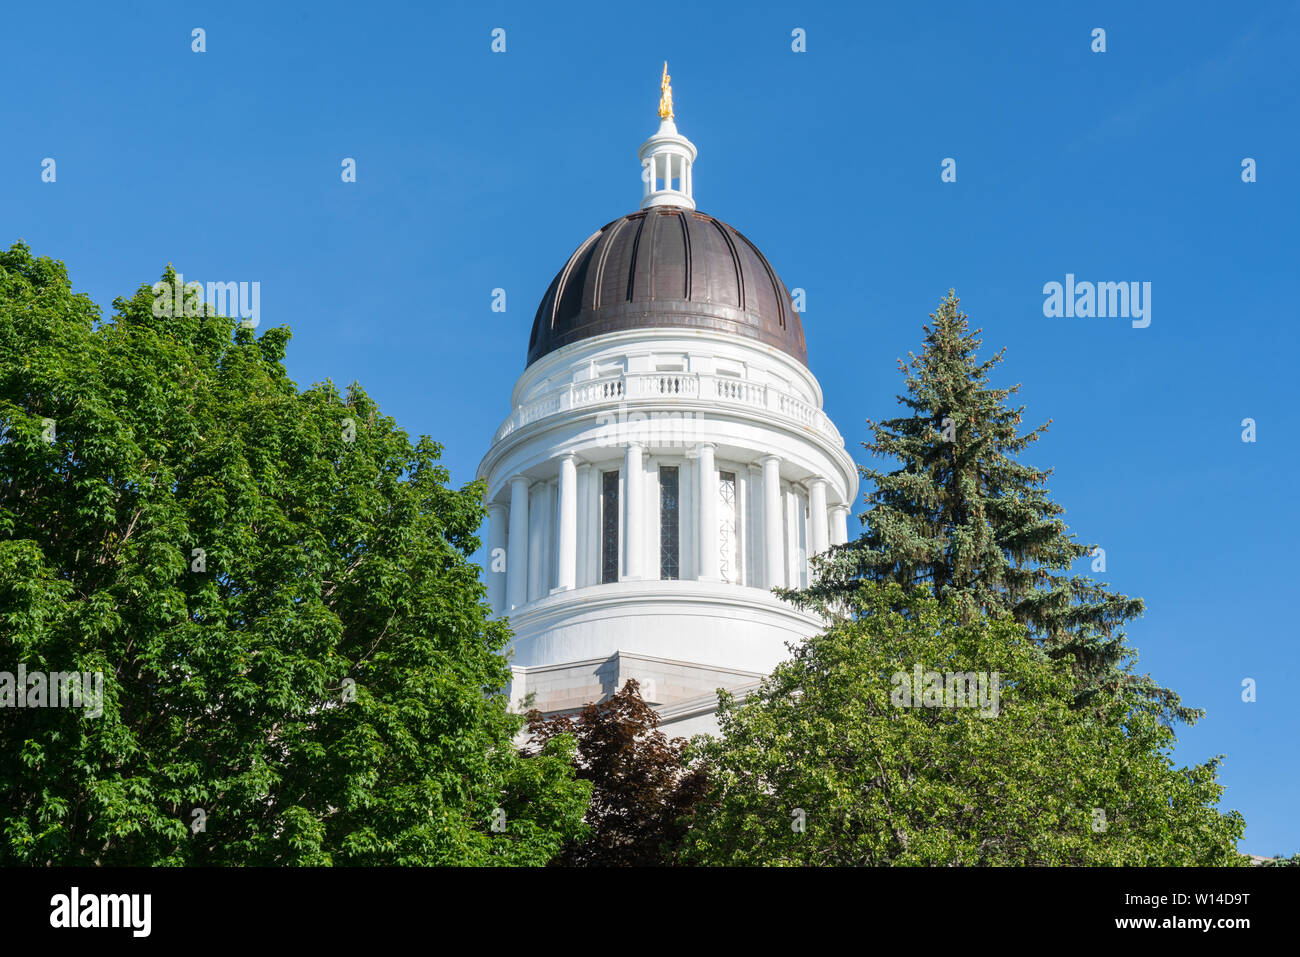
column 735, row 262
column 687, row 260
column 680, row 270
column 595, row 291
column 725, row 286
column 636, row 265
column 768, row 293
column 547, row 310
column 670, row 258
column 569, row 299
column 699, row 270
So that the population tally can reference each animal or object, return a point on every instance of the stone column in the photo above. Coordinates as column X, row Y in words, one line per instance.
column 793, row 526
column 633, row 512
column 839, row 524
column 494, row 561
column 773, row 535
column 817, row 516
column 541, row 534
column 567, row 570
column 708, row 499
column 755, row 574
column 517, row 546
column 585, row 509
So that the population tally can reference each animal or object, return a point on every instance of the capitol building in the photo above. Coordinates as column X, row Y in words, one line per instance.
column 665, row 463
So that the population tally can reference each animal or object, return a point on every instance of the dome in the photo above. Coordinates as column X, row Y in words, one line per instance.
column 667, row 267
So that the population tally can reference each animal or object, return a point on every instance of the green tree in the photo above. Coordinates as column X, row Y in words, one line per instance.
column 1281, row 861
column 962, row 513
column 276, row 587
column 827, row 763
column 644, row 789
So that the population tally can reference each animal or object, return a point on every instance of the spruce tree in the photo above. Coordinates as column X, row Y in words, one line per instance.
column 964, row 514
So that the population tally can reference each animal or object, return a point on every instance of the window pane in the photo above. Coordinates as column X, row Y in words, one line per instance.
column 669, row 524
column 728, row 553
column 609, row 527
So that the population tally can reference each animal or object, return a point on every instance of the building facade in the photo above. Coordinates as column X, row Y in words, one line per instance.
column 666, row 462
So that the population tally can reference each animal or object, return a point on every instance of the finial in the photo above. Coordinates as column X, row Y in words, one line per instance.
column 666, row 158
column 665, row 95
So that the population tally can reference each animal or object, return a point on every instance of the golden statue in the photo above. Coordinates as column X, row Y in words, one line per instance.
column 665, row 95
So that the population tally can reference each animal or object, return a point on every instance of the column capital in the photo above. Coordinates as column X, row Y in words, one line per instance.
column 769, row 458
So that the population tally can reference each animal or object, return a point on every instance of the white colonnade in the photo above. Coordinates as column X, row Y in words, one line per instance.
column 778, row 534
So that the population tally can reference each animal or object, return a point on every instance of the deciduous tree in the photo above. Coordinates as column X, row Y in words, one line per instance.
column 299, row 664
column 644, row 790
column 829, row 764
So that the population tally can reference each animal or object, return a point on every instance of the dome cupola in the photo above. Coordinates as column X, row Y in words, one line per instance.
column 667, row 266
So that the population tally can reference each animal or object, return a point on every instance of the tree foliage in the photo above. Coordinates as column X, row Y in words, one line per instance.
column 275, row 585
column 961, row 512
column 1281, row 861
column 824, row 765
column 643, row 789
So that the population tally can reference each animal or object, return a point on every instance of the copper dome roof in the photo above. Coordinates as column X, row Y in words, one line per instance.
column 667, row 268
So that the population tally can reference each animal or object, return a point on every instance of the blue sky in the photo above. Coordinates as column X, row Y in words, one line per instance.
column 479, row 170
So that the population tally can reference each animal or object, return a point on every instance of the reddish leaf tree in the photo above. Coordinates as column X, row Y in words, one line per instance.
column 644, row 789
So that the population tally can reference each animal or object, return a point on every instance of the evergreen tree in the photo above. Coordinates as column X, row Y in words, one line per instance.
column 1281, row 861
column 964, row 514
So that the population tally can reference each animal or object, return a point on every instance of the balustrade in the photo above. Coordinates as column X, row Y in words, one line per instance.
column 669, row 386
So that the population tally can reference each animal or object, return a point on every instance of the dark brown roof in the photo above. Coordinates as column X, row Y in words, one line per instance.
column 667, row 267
